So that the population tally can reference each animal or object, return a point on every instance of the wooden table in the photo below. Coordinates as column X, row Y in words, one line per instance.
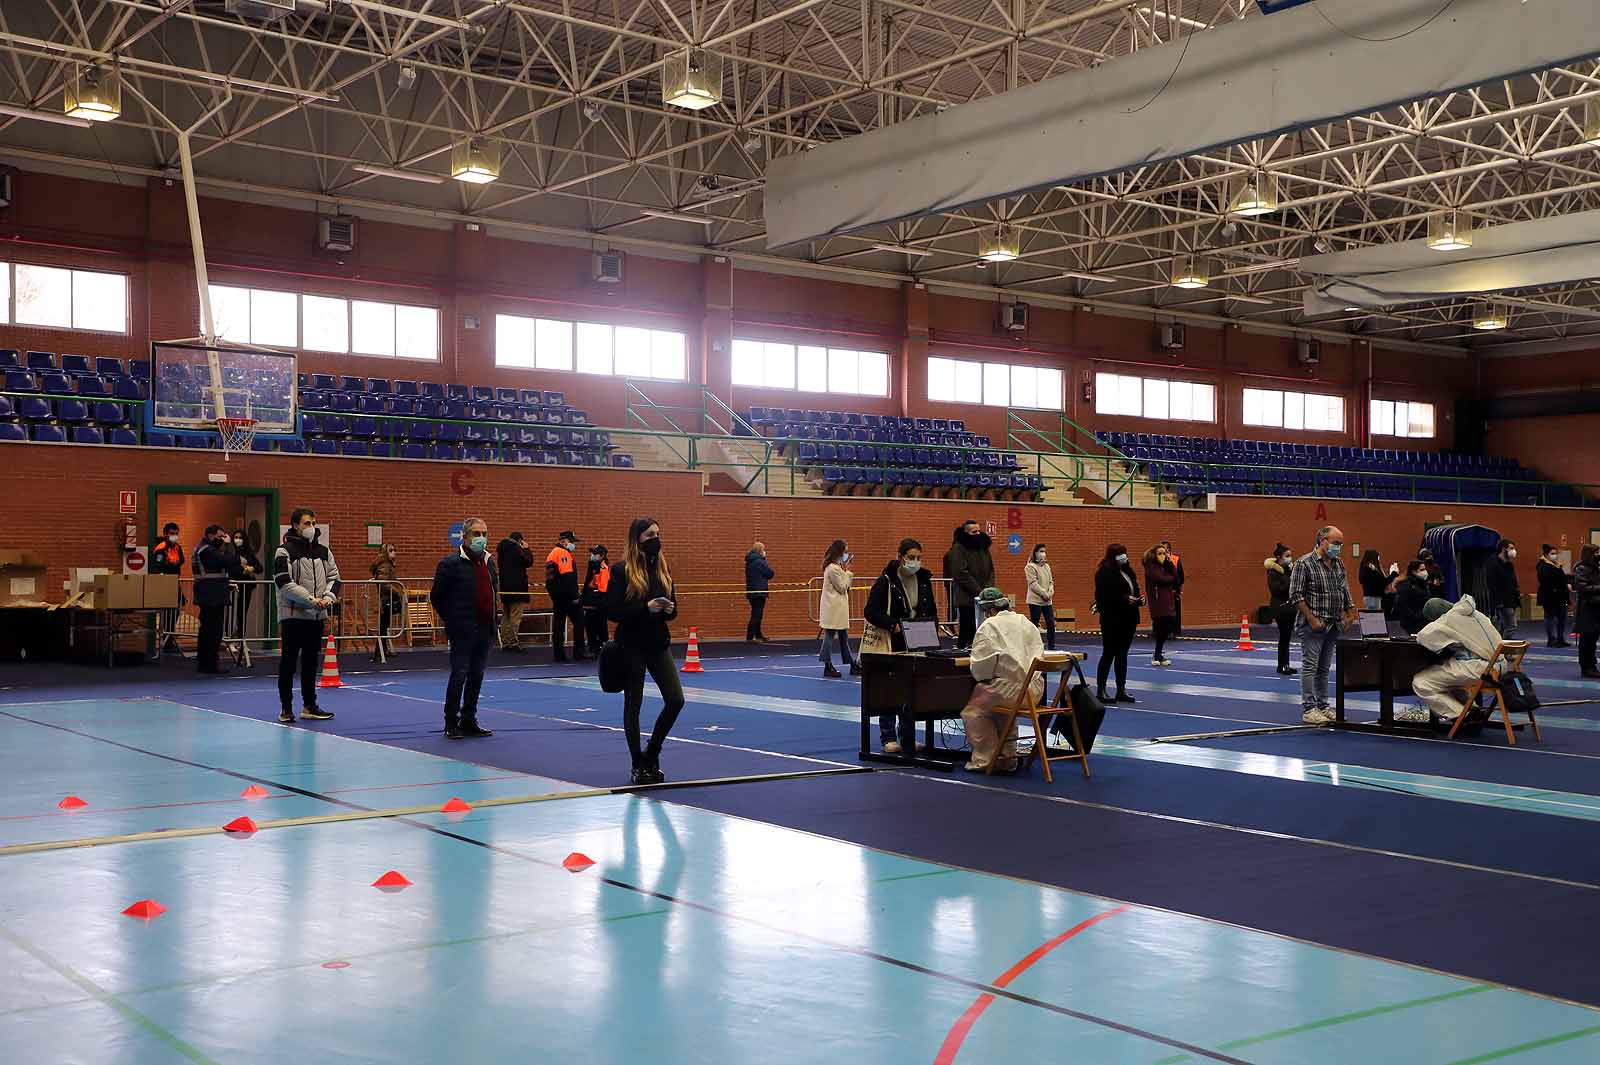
column 1383, row 666
column 913, row 687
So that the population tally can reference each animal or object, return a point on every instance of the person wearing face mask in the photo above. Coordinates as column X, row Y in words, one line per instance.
column 167, row 558
column 903, row 592
column 1412, row 593
column 514, row 556
column 596, row 582
column 308, row 586
column 1118, row 599
column 1041, row 594
column 1555, row 593
column 1319, row 590
column 639, row 599
column 1435, row 573
column 561, row 582
column 970, row 569
column 250, row 565
column 1586, row 584
column 466, row 596
column 1278, row 567
column 757, row 575
column 835, row 611
column 385, row 568
column 215, row 563
column 1161, row 585
column 1505, row 596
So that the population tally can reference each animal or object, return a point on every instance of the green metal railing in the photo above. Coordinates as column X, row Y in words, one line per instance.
column 1053, row 432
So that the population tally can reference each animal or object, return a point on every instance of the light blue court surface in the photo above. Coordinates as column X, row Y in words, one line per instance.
column 695, row 936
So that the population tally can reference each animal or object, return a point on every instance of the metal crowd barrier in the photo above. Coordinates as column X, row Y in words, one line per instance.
column 250, row 616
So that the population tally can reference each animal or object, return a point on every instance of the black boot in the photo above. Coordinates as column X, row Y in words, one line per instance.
column 472, row 730
column 829, row 671
column 1124, row 697
column 452, row 728
column 652, row 766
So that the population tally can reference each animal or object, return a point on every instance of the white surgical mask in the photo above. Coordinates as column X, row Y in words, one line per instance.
column 1512, row 553
column 237, row 542
column 1122, row 560
column 1422, row 573
column 911, row 565
column 1039, row 557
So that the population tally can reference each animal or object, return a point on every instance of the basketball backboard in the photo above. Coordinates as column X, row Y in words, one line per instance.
column 192, row 384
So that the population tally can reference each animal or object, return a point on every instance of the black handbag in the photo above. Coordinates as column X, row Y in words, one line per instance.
column 612, row 667
column 1086, row 707
column 1517, row 690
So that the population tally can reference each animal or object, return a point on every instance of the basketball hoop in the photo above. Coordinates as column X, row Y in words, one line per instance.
column 237, row 435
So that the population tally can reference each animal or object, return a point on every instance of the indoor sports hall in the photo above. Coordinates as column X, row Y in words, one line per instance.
column 909, row 532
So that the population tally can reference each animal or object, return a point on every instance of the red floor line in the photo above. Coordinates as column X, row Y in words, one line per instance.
column 963, row 1026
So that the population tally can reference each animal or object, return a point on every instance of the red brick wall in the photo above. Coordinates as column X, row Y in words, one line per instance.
column 72, row 494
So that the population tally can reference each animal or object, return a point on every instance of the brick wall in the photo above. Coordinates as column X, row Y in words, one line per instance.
column 71, row 494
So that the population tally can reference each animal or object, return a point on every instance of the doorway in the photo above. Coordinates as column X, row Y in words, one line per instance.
column 250, row 509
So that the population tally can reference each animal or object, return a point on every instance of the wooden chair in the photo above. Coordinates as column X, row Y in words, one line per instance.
column 1058, row 662
column 1508, row 658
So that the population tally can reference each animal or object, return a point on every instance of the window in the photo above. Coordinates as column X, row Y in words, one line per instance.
column 1400, row 418
column 1152, row 397
column 810, row 368
column 994, row 384
column 1294, row 410
column 589, row 347
column 64, row 299
column 324, row 323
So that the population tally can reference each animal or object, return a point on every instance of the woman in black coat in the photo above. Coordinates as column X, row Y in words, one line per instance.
column 1586, row 579
column 902, row 592
column 639, row 598
column 1117, row 596
column 1411, row 593
column 1278, row 569
column 250, row 563
column 1555, row 593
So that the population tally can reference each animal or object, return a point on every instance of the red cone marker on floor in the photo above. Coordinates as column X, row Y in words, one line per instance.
column 146, row 908
column 455, row 806
column 1244, row 635
column 240, row 824
column 391, row 879
column 691, row 660
column 330, row 667
column 254, row 791
column 72, row 802
column 577, row 862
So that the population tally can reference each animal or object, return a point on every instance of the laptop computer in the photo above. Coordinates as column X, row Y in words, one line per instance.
column 1374, row 626
column 920, row 635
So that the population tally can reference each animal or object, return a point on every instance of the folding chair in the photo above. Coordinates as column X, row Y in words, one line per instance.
column 1063, row 663
column 1508, row 656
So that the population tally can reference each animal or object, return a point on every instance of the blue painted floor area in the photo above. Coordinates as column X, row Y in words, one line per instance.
column 695, row 937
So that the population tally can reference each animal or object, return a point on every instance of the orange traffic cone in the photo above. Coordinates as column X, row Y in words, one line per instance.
column 691, row 661
column 330, row 668
column 1244, row 635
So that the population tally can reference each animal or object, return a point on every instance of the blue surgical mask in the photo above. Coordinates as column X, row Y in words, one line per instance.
column 478, row 543
column 911, row 565
column 1335, row 550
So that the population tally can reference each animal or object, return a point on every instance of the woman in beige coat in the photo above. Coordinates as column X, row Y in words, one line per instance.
column 834, row 614
column 1041, row 594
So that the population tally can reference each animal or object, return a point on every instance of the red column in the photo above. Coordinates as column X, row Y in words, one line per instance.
column 716, row 329
column 912, row 373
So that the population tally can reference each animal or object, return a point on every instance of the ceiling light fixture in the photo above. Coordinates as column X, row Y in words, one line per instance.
column 676, row 216
column 1450, row 231
column 1000, row 244
column 1250, row 299
column 692, row 79
column 1489, row 316
column 1253, row 195
column 1191, row 271
column 94, row 93
column 403, row 175
column 475, row 161
column 903, row 249
column 44, row 116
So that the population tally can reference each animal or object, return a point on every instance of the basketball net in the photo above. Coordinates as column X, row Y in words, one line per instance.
column 237, row 435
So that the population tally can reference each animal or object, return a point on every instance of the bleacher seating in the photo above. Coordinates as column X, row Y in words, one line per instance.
column 94, row 400
column 1192, row 467
column 870, row 454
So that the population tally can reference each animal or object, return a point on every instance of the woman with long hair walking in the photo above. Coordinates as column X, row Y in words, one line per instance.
column 639, row 599
column 1117, row 596
column 835, row 609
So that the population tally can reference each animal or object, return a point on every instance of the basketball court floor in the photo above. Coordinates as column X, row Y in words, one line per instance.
column 1274, row 897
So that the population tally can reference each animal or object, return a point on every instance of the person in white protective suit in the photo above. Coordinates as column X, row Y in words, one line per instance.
column 1002, row 653
column 1471, row 637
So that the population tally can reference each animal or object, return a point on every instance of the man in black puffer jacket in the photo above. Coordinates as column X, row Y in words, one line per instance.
column 466, row 592
column 970, row 569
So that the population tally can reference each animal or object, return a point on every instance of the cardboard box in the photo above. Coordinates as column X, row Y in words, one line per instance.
column 21, row 578
column 81, row 578
column 161, row 590
column 118, row 591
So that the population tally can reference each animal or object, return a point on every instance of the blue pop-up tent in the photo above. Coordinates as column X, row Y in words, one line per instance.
column 1462, row 552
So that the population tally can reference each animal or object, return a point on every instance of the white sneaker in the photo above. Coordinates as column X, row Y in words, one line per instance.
column 891, row 747
column 1412, row 715
column 1318, row 715
column 1161, row 661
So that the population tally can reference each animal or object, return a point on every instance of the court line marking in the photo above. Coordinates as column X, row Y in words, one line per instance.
column 100, row 994
column 959, row 1031
column 1506, row 1052
column 846, row 948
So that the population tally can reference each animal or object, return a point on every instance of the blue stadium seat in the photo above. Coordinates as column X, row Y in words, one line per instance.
column 507, row 395
column 139, row 368
column 353, row 384
column 49, row 434
column 41, row 360
column 622, row 462
column 355, row 448
column 75, row 364
column 322, row 446
column 21, row 381
column 432, row 390
column 555, row 399
column 12, row 431
column 122, row 437
column 106, row 367
column 262, row 443
column 130, row 388
column 379, row 386
column 324, row 382
column 481, row 394
column 458, row 392
column 34, row 409
column 91, row 385
column 406, row 388
column 8, row 409
column 72, row 410
column 157, row 438
column 292, row 447
column 371, row 405
column 338, row 425
column 446, row 452
column 9, row 359
column 342, row 401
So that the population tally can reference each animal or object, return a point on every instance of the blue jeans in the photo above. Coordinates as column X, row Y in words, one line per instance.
column 1505, row 619
column 1316, row 658
column 1555, row 626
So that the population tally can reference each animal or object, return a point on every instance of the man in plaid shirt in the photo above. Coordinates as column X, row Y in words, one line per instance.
column 1320, row 591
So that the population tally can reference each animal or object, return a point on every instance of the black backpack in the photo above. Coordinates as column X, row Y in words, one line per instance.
column 1517, row 690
